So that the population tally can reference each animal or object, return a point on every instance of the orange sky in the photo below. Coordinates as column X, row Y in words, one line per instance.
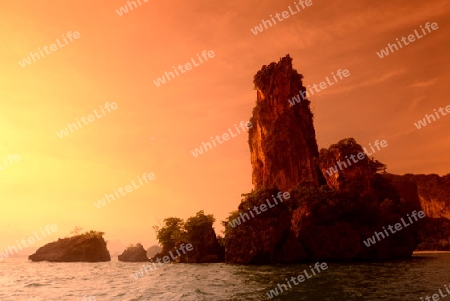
column 154, row 128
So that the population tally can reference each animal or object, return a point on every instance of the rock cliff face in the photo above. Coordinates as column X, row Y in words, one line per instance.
column 134, row 254
column 433, row 191
column 205, row 249
column 328, row 222
column 342, row 168
column 435, row 235
column 321, row 224
column 278, row 160
column 264, row 239
column 85, row 248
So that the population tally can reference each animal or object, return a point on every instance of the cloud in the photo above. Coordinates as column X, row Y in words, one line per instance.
column 371, row 82
column 424, row 84
column 415, row 102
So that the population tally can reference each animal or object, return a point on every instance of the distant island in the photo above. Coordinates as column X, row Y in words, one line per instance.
column 86, row 247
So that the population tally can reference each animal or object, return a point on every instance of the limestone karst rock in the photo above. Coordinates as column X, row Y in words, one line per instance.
column 205, row 249
column 341, row 167
column 277, row 159
column 83, row 247
column 328, row 216
column 433, row 191
column 135, row 253
column 432, row 195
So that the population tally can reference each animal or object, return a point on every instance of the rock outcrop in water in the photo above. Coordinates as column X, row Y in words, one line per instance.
column 318, row 222
column 135, row 253
column 205, row 248
column 432, row 194
column 435, row 235
column 84, row 248
column 197, row 232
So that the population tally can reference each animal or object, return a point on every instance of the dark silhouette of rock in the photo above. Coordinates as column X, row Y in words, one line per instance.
column 430, row 193
column 176, row 257
column 153, row 250
column 205, row 249
column 135, row 253
column 265, row 238
column 433, row 192
column 343, row 170
column 197, row 232
column 277, row 159
column 321, row 224
column 86, row 247
column 435, row 235
column 328, row 222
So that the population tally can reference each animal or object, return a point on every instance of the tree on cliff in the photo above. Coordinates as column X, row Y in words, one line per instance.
column 94, row 233
column 226, row 224
column 76, row 231
column 172, row 232
column 350, row 146
column 377, row 166
column 197, row 225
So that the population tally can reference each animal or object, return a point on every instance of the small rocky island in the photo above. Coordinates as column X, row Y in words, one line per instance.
column 87, row 247
column 190, row 241
column 135, row 253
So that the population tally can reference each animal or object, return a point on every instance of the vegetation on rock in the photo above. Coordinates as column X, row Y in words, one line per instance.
column 87, row 247
column 134, row 253
column 198, row 231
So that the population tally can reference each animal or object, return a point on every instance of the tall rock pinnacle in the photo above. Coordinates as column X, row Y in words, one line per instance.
column 282, row 140
column 331, row 222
